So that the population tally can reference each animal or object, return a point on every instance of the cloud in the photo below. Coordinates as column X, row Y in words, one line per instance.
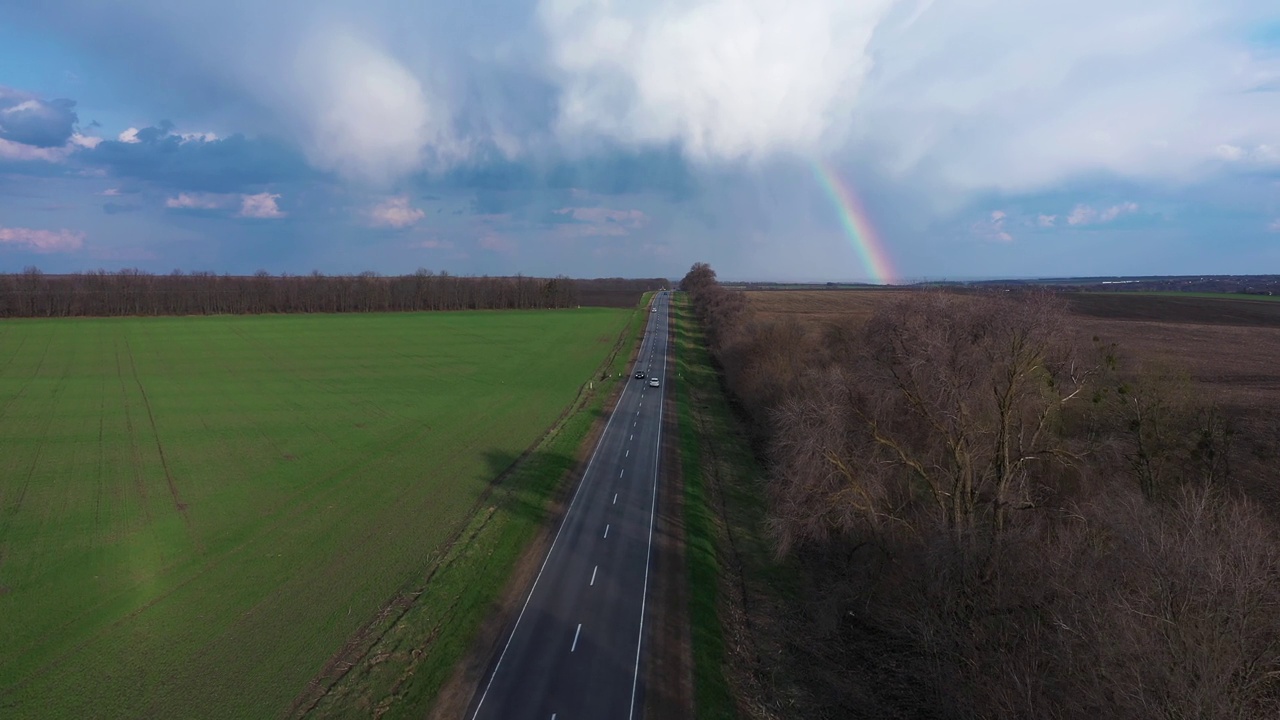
column 128, row 136
column 261, row 205
column 224, row 165
column 198, row 201
column 929, row 90
column 726, row 79
column 599, row 222
column 1274, row 226
column 42, row 241
column 26, row 119
column 395, row 212
column 10, row 150
column 992, row 229
column 1086, row 215
column 362, row 113
column 432, row 245
column 1046, row 220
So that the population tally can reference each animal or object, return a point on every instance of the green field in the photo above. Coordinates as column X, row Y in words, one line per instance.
column 1197, row 295
column 196, row 513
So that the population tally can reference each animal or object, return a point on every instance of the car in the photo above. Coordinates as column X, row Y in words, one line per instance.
column 653, row 382
column 639, row 375
column 654, row 310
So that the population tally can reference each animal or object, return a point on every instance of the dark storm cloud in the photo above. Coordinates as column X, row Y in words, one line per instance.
column 26, row 119
column 233, row 164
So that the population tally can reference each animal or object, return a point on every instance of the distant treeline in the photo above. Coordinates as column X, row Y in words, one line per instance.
column 134, row 292
column 617, row 292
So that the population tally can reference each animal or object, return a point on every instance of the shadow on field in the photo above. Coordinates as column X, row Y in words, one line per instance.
column 526, row 484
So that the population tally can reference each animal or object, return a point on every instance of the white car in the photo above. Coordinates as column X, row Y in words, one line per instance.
column 653, row 382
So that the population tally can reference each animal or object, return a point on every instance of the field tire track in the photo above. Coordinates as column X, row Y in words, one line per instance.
column 44, row 431
column 178, row 504
column 138, row 483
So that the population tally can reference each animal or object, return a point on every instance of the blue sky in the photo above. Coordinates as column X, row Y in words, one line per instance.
column 592, row 138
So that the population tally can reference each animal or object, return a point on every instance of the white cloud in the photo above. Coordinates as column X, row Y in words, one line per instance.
column 395, row 212
column 1116, row 211
column 962, row 95
column 42, row 241
column 1046, row 220
column 727, row 78
column 600, row 222
column 129, row 135
column 362, row 113
column 261, row 205
column 1274, row 226
column 1229, row 152
column 10, row 150
column 84, row 141
column 433, row 245
column 992, row 229
column 198, row 201
column 1087, row 215
column 110, row 192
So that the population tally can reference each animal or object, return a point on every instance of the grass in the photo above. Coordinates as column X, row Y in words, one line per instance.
column 196, row 513
column 736, row 586
column 712, row 696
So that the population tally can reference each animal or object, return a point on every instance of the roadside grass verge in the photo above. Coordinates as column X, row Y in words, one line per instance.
column 735, row 583
column 411, row 652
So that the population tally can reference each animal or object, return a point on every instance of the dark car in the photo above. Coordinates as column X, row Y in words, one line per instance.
column 639, row 375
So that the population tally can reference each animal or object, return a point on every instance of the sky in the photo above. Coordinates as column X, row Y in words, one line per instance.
column 793, row 140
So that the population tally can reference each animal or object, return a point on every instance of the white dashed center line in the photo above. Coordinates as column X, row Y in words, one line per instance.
column 575, row 638
column 593, row 575
column 615, row 498
column 606, row 530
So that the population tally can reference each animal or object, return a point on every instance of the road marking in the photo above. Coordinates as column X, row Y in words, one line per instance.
column 621, row 471
column 644, row 595
column 615, row 498
column 633, row 435
column 593, row 576
column 575, row 638
column 628, row 454
column 563, row 521
column 606, row 529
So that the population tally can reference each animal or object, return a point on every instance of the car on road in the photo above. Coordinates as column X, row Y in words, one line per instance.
column 654, row 310
column 639, row 375
column 653, row 382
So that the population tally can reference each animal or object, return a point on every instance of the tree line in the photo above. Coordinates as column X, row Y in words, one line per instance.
column 32, row 293
column 997, row 516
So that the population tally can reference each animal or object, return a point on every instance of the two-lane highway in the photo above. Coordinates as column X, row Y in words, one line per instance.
column 574, row 651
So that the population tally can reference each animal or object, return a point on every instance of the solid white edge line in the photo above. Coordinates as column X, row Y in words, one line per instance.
column 563, row 521
column 653, row 511
column 575, row 638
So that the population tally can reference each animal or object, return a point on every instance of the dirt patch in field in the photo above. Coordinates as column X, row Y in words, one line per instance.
column 819, row 305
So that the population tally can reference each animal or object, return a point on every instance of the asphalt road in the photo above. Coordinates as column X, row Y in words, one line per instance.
column 574, row 650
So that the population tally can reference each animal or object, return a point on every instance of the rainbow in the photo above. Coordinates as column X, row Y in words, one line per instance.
column 857, row 225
